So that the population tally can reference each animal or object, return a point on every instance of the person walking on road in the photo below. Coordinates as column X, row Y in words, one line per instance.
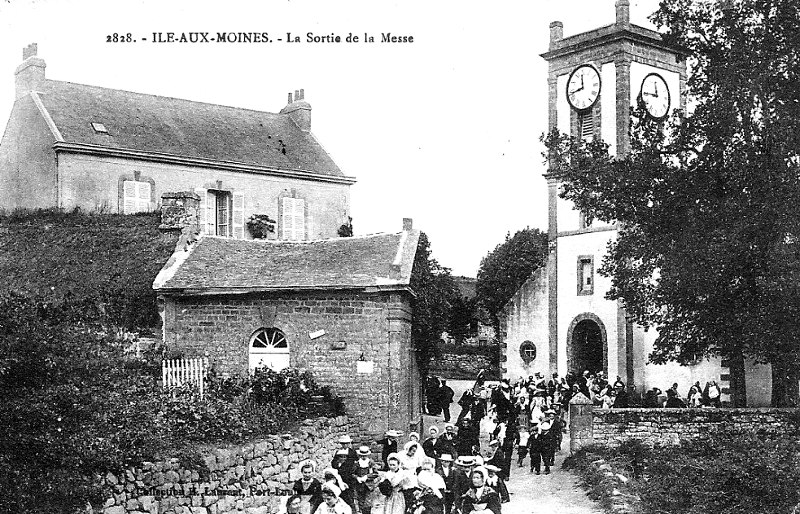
column 446, row 395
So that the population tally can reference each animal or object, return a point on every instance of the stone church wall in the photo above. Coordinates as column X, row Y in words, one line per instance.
column 373, row 327
column 252, row 478
column 525, row 319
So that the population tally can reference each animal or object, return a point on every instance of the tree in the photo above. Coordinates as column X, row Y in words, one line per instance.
column 435, row 290
column 507, row 267
column 463, row 320
column 708, row 249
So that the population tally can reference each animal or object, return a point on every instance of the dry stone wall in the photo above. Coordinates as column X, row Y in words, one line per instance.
column 250, row 478
column 463, row 367
column 671, row 426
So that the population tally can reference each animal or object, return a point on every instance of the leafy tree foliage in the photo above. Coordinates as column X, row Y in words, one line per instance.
column 436, row 291
column 463, row 321
column 708, row 249
column 507, row 267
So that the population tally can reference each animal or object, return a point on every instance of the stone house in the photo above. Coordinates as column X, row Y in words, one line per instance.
column 70, row 145
column 338, row 307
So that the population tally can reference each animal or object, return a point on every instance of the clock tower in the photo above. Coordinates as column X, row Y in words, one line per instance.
column 595, row 79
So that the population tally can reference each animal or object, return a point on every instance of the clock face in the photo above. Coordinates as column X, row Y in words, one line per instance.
column 655, row 95
column 583, row 87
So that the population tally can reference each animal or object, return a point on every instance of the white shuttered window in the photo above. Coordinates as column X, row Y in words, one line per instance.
column 293, row 218
column 136, row 196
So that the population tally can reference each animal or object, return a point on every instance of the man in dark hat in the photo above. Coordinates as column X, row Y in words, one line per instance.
column 448, row 440
column 501, row 399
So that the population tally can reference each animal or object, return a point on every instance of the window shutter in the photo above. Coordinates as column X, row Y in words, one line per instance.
column 129, row 197
column 201, row 209
column 238, row 215
column 293, row 214
column 286, row 218
column 299, row 214
column 211, row 213
column 142, row 196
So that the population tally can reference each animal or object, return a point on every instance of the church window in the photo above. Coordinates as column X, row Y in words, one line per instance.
column 293, row 216
column 136, row 196
column 585, row 275
column 527, row 350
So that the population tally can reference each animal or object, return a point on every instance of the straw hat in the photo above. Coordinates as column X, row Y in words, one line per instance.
column 345, row 439
column 446, row 457
column 363, row 451
column 394, row 433
column 465, row 460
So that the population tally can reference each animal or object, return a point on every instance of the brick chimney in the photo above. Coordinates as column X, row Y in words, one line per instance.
column 299, row 110
column 29, row 76
column 556, row 32
column 623, row 13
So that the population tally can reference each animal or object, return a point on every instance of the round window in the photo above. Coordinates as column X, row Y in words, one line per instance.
column 527, row 350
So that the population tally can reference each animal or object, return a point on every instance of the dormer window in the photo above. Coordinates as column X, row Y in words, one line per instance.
column 99, row 128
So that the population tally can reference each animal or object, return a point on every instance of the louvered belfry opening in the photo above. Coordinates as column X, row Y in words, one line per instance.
column 586, row 125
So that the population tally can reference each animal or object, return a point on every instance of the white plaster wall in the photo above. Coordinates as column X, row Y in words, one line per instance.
column 608, row 108
column 570, row 304
column 562, row 105
column 92, row 183
column 568, row 215
column 527, row 319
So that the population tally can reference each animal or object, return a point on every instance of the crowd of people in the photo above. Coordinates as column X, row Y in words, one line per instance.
column 422, row 477
column 449, row 472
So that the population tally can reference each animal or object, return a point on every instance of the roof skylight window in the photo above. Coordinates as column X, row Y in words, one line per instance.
column 99, row 127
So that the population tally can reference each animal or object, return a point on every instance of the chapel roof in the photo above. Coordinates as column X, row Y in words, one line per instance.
column 216, row 265
column 159, row 125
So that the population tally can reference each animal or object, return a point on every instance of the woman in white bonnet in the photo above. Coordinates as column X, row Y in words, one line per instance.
column 429, row 497
column 393, row 481
column 332, row 503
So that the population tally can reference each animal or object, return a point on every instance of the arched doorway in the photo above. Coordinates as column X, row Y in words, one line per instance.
column 586, row 344
column 268, row 347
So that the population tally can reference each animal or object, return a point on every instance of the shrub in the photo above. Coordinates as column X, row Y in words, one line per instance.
column 726, row 474
column 74, row 406
column 260, row 225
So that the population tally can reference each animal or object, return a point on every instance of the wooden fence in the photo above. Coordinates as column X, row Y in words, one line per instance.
column 179, row 372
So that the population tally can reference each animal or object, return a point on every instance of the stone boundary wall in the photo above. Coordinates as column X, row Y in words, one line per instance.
column 462, row 367
column 246, row 479
column 671, row 426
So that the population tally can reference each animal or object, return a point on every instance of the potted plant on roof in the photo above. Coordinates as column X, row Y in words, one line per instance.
column 260, row 225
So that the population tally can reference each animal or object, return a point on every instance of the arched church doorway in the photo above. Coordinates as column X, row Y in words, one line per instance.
column 586, row 344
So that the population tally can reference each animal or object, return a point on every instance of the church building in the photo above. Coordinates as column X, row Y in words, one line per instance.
column 560, row 320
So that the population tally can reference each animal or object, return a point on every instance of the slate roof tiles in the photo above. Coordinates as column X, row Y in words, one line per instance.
column 163, row 125
column 221, row 265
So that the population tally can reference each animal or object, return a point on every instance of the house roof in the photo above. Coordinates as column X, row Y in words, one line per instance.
column 166, row 126
column 216, row 265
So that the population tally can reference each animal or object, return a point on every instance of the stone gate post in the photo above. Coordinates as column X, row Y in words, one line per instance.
column 580, row 422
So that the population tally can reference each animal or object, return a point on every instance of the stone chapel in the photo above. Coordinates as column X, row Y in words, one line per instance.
column 560, row 320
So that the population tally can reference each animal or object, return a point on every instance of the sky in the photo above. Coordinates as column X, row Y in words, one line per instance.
column 444, row 130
